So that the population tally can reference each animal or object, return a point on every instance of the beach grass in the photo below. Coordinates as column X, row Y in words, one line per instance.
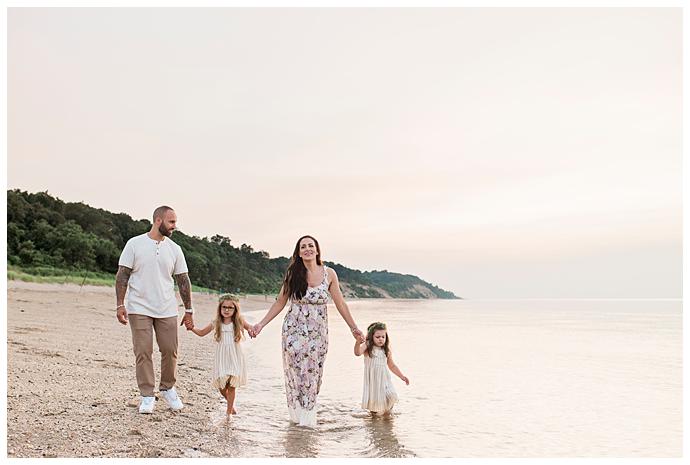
column 59, row 276
column 80, row 277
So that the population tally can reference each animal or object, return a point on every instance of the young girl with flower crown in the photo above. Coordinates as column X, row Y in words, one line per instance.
column 229, row 368
column 379, row 395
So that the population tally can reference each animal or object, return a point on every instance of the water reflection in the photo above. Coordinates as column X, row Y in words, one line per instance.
column 384, row 442
column 301, row 442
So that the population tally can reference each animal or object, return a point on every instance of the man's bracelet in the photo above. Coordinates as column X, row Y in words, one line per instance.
column 189, row 310
column 121, row 305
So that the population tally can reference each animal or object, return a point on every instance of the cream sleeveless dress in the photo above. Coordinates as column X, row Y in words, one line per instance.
column 379, row 394
column 228, row 363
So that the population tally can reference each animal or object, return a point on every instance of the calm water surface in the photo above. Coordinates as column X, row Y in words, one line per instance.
column 488, row 379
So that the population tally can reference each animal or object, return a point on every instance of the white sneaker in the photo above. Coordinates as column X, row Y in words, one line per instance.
column 172, row 399
column 147, row 404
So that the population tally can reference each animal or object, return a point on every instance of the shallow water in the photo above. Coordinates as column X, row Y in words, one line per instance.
column 589, row 378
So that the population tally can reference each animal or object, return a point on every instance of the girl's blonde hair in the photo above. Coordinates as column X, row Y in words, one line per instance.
column 371, row 329
column 237, row 320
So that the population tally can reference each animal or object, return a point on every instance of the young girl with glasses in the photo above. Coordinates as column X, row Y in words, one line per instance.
column 229, row 368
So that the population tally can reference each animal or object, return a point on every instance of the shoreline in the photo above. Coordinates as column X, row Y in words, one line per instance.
column 71, row 369
column 109, row 289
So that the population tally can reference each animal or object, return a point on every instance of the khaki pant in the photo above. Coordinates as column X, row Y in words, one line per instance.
column 142, row 339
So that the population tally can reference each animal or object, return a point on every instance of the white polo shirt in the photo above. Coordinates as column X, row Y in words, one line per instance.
column 151, row 289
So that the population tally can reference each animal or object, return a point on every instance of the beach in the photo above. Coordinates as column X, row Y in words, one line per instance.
column 71, row 370
column 589, row 378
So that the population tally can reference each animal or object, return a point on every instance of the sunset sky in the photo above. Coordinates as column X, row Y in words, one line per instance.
column 497, row 153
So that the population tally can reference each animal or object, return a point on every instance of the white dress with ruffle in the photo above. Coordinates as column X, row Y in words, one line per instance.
column 228, row 364
column 379, row 394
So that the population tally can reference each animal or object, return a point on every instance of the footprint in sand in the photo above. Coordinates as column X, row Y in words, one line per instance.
column 27, row 330
column 46, row 353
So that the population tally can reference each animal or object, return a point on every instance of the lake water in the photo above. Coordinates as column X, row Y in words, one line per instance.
column 530, row 378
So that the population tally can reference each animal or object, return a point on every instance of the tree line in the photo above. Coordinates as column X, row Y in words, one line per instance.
column 45, row 232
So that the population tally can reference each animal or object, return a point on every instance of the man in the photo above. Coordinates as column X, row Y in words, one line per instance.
column 146, row 268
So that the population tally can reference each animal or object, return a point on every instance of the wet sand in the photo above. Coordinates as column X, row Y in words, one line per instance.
column 71, row 386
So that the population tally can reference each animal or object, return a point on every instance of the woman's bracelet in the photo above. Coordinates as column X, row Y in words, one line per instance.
column 353, row 329
column 121, row 305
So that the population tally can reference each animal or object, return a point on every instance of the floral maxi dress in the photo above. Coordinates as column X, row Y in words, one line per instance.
column 305, row 344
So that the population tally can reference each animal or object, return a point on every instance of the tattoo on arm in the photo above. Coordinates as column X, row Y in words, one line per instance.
column 185, row 286
column 121, row 280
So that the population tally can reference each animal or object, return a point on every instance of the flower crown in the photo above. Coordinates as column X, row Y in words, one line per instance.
column 232, row 297
column 375, row 327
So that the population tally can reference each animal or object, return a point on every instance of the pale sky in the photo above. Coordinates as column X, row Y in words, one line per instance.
column 492, row 152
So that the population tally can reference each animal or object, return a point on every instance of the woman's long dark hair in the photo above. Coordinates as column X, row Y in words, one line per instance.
column 295, row 281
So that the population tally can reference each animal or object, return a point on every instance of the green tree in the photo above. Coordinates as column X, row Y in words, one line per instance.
column 74, row 246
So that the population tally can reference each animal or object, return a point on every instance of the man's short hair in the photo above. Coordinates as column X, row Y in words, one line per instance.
column 160, row 212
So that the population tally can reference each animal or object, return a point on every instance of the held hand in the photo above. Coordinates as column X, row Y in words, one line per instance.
column 122, row 315
column 257, row 329
column 187, row 321
column 252, row 331
column 357, row 334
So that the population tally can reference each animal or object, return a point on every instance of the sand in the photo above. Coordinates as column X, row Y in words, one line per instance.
column 71, row 386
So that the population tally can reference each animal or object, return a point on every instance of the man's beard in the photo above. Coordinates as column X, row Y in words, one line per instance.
column 164, row 231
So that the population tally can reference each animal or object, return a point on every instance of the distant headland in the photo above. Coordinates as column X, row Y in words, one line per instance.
column 48, row 237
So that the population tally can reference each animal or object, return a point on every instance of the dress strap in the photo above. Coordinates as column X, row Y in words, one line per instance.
column 325, row 276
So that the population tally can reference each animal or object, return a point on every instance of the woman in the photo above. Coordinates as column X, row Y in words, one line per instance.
column 307, row 284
